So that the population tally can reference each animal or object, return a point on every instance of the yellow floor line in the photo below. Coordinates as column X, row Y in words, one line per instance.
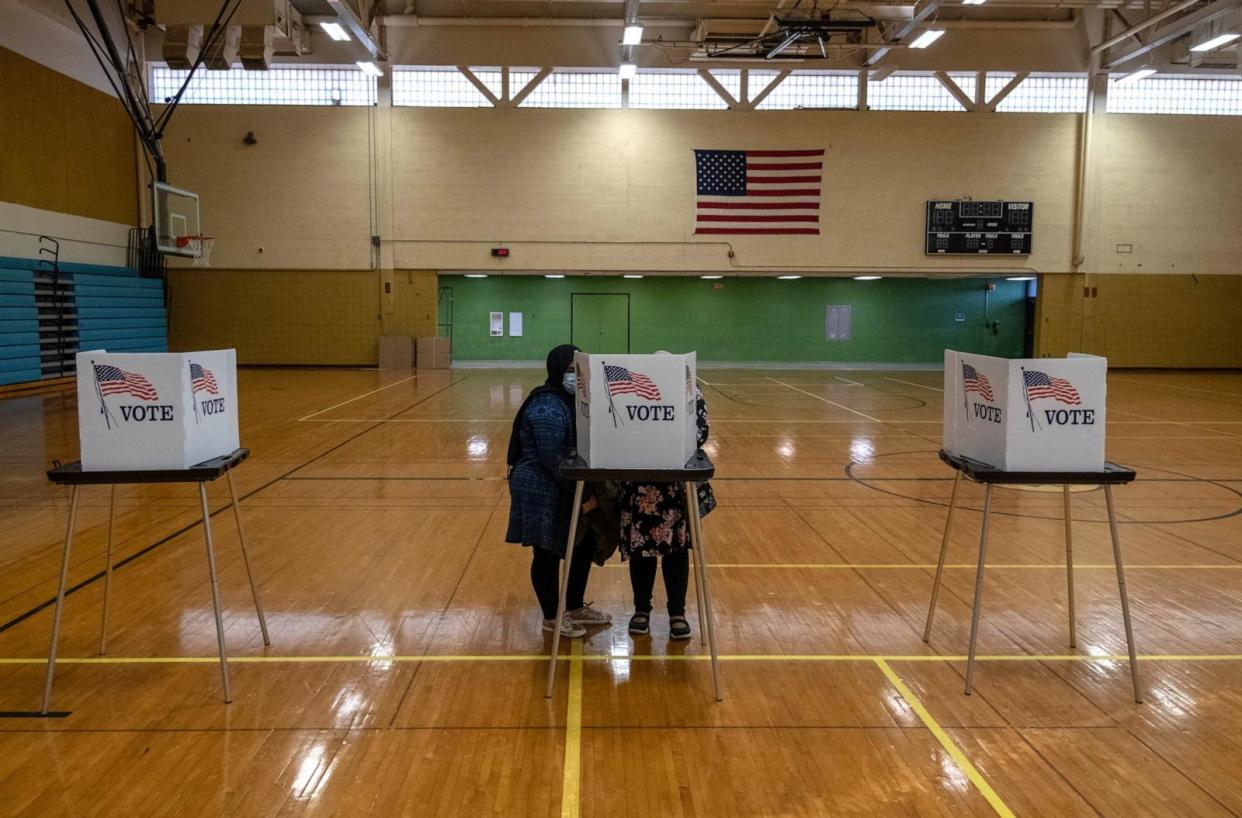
column 970, row 565
column 578, row 657
column 571, row 778
column 946, row 742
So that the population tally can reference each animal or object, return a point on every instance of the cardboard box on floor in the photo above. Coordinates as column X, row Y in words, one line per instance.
column 435, row 353
column 396, row 352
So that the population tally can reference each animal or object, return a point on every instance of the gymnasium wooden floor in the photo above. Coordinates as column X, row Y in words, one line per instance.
column 405, row 673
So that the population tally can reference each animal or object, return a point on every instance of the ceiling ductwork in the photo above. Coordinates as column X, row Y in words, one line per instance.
column 257, row 31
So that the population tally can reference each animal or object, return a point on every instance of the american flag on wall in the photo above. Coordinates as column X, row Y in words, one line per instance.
column 115, row 381
column 758, row 192
column 201, row 380
column 623, row 381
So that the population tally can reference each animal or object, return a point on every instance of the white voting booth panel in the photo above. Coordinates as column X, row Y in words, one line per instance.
column 1039, row 414
column 636, row 411
column 141, row 411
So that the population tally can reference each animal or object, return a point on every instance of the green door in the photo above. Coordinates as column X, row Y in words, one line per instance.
column 601, row 322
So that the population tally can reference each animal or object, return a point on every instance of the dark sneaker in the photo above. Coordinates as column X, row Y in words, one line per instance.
column 640, row 624
column 678, row 628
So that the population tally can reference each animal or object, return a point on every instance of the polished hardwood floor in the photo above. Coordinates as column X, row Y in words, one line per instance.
column 405, row 675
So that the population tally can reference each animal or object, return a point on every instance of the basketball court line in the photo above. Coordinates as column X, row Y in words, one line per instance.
column 950, row 747
column 825, row 400
column 571, row 777
column 357, row 397
column 912, row 383
column 578, row 657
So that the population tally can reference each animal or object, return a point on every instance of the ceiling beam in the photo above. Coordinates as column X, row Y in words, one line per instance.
column 904, row 30
column 1179, row 27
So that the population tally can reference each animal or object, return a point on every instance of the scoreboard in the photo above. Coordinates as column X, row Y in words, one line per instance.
column 979, row 228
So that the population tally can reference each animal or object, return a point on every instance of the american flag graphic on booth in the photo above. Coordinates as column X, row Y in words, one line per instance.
column 1042, row 385
column 975, row 381
column 758, row 192
column 116, row 381
column 201, row 380
column 622, row 381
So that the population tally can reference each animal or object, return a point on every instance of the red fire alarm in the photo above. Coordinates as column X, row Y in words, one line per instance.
column 500, row 252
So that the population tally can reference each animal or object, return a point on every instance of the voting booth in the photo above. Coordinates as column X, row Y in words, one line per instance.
column 1036, row 422
column 1039, row 414
column 636, row 411
column 144, row 411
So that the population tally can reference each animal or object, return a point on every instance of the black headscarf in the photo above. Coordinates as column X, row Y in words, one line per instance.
column 559, row 361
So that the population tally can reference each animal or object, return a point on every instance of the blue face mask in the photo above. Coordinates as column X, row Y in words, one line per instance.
column 569, row 382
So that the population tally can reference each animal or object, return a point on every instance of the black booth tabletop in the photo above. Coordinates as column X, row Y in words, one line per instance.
column 71, row 474
column 984, row 473
column 697, row 468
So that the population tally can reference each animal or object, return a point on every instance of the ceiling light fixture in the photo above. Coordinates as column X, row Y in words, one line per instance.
column 927, row 38
column 369, row 68
column 789, row 278
column 1141, row 74
column 631, row 276
column 335, row 31
column 867, row 278
column 1215, row 42
column 711, row 278
column 632, row 35
column 628, row 70
column 553, row 275
column 973, row 2
column 476, row 275
column 1020, row 278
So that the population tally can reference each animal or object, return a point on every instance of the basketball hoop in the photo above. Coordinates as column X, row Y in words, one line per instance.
column 199, row 246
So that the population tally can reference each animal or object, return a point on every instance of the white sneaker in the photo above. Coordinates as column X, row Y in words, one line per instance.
column 569, row 628
column 586, row 615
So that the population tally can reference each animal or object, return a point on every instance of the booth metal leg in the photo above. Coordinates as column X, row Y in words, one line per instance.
column 1069, row 568
column 700, row 566
column 107, row 591
column 241, row 535
column 974, row 614
column 60, row 602
column 215, row 592
column 560, row 602
column 1125, row 598
column 944, row 550
column 698, row 592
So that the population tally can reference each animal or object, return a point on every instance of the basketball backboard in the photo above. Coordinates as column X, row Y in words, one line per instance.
column 176, row 217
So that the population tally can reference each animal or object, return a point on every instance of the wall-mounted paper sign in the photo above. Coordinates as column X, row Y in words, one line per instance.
column 515, row 325
column 498, row 324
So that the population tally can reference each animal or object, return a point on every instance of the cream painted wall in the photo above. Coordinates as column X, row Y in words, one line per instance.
column 585, row 177
column 1171, row 187
column 613, row 190
column 300, row 199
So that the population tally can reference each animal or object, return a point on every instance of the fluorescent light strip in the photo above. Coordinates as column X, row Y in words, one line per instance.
column 711, row 278
column 789, row 278
column 867, row 278
column 631, row 276
column 476, row 275
column 553, row 275
column 927, row 38
column 973, row 2
column 1020, row 278
column 369, row 68
column 335, row 31
column 1141, row 74
column 1215, row 42
column 632, row 35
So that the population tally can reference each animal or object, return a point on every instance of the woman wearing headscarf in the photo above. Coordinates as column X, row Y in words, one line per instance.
column 654, row 526
column 539, row 512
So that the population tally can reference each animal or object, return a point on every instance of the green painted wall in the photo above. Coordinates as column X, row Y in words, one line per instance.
column 898, row 320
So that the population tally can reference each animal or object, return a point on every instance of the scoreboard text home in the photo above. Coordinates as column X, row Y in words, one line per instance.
column 979, row 228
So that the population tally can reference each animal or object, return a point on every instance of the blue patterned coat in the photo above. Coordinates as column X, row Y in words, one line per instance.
column 540, row 503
